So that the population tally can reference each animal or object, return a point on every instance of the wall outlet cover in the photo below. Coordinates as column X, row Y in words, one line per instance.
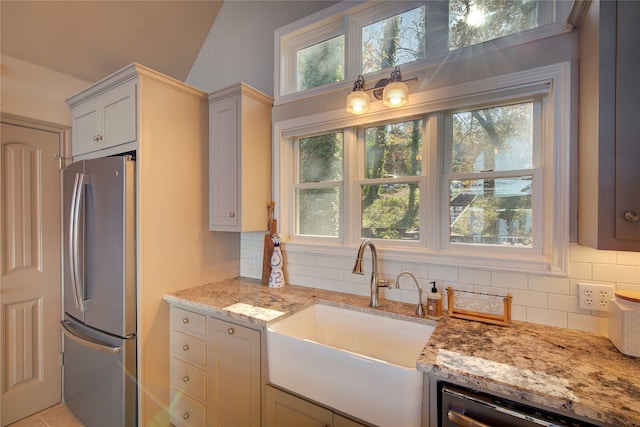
column 594, row 297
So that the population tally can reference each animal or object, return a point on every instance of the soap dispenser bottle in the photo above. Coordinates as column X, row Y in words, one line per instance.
column 434, row 303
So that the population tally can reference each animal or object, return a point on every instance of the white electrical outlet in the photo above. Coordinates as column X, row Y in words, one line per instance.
column 594, row 297
column 254, row 258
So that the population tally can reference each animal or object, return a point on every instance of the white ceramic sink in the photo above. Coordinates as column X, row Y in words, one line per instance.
column 359, row 363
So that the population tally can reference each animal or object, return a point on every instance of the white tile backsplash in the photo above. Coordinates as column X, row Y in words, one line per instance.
column 548, row 300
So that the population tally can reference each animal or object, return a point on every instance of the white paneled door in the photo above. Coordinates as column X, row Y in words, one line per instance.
column 30, row 337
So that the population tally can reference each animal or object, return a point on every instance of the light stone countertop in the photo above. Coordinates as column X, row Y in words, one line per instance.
column 562, row 369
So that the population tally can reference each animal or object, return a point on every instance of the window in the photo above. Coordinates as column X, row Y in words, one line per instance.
column 390, row 187
column 334, row 46
column 478, row 178
column 318, row 185
column 492, row 172
column 476, row 21
column 492, row 175
column 320, row 64
column 392, row 41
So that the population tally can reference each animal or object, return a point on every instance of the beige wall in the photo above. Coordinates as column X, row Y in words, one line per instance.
column 31, row 91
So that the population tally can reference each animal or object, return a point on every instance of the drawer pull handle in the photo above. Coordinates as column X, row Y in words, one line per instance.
column 631, row 216
column 186, row 379
column 185, row 416
column 462, row 420
column 185, row 320
column 231, row 331
column 185, row 347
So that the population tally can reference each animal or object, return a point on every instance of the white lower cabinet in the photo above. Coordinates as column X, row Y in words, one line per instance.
column 215, row 372
column 285, row 410
column 234, row 374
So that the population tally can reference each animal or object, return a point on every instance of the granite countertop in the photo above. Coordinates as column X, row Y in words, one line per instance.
column 562, row 369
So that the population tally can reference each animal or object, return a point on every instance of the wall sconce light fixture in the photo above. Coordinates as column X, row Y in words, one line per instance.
column 393, row 92
column 358, row 100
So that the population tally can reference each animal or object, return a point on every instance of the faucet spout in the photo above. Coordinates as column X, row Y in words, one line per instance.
column 420, row 307
column 375, row 283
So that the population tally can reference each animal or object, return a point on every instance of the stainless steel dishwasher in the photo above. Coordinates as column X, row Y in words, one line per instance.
column 463, row 407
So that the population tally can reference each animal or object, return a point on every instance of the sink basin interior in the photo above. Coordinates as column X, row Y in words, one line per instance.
column 351, row 361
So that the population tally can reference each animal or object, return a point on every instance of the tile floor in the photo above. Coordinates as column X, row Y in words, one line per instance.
column 55, row 416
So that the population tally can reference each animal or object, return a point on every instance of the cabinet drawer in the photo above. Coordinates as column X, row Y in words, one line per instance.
column 188, row 379
column 185, row 319
column 188, row 348
column 185, row 411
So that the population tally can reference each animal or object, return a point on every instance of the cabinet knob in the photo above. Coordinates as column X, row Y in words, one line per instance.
column 185, row 379
column 631, row 216
column 185, row 320
column 185, row 347
column 232, row 214
column 185, row 416
column 231, row 331
column 97, row 138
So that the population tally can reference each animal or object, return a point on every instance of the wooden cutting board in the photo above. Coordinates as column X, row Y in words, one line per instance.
column 272, row 226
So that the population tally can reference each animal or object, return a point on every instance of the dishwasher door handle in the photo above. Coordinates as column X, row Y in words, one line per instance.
column 462, row 420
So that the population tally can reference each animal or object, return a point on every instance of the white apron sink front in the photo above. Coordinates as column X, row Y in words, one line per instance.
column 362, row 364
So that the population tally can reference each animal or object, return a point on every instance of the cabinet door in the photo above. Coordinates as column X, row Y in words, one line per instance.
column 627, row 135
column 234, row 380
column 223, row 164
column 119, row 115
column 86, row 127
column 284, row 410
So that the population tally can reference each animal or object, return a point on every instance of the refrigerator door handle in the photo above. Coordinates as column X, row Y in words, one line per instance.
column 74, row 228
column 86, row 340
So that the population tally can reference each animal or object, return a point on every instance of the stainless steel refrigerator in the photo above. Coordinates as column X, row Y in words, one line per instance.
column 100, row 375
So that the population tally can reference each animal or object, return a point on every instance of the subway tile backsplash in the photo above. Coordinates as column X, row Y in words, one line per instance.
column 538, row 299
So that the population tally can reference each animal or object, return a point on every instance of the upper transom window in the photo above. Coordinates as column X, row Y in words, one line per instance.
column 341, row 42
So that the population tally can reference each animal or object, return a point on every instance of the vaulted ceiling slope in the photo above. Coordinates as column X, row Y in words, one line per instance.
column 92, row 39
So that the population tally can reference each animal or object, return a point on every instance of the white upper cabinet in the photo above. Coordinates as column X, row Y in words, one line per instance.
column 609, row 195
column 239, row 159
column 107, row 120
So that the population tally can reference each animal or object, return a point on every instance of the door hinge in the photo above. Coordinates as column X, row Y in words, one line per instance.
column 60, row 159
column 61, row 359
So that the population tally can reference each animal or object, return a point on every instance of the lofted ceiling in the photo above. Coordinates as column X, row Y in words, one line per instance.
column 92, row 39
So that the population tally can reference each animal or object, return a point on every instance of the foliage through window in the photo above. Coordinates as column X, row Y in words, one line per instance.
column 390, row 190
column 318, row 186
column 321, row 64
column 371, row 37
column 396, row 40
column 476, row 21
column 490, row 180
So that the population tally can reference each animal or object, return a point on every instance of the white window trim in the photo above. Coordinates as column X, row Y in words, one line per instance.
column 554, row 260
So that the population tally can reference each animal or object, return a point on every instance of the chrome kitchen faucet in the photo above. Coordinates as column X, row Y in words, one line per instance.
column 375, row 283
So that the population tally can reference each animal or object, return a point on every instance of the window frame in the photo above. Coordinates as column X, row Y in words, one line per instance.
column 340, row 185
column 536, row 172
column 361, row 180
column 554, row 79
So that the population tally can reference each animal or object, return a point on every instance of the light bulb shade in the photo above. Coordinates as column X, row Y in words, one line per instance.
column 396, row 94
column 358, row 102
